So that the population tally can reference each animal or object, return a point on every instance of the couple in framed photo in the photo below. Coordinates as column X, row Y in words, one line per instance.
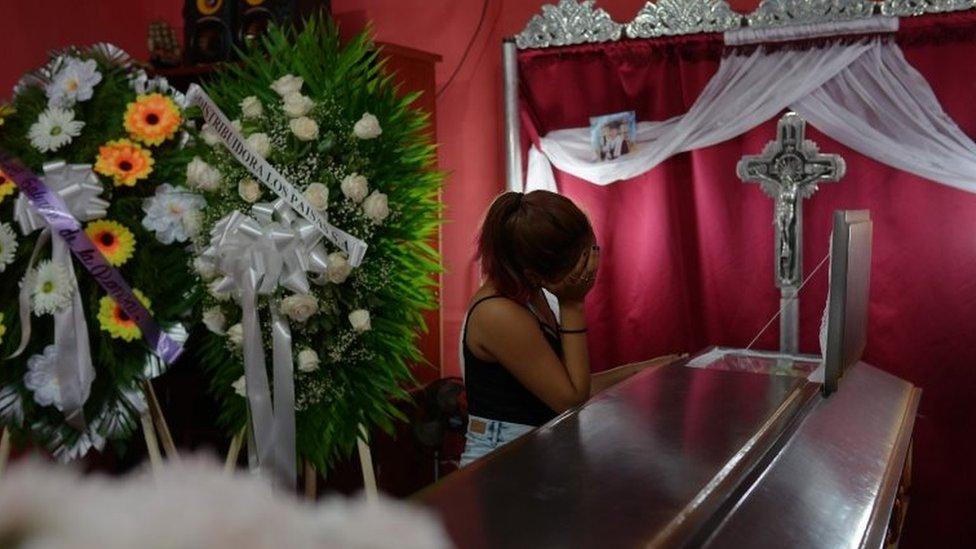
column 613, row 135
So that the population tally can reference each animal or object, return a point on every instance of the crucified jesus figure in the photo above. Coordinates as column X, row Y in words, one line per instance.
column 784, row 218
column 788, row 183
column 789, row 170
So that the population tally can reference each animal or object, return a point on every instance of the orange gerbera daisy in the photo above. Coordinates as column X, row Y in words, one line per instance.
column 124, row 161
column 112, row 239
column 113, row 319
column 152, row 118
column 7, row 187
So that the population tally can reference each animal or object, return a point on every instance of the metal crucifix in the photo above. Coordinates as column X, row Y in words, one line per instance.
column 788, row 171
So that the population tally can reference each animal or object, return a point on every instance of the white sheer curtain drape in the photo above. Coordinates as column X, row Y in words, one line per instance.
column 883, row 108
column 746, row 91
column 863, row 94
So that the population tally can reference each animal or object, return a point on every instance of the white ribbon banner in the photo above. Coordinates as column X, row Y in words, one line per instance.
column 265, row 172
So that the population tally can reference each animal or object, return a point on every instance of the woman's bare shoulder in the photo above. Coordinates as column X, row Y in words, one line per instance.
column 499, row 324
column 498, row 308
column 497, row 316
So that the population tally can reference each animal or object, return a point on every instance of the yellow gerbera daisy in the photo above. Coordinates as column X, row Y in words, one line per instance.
column 113, row 319
column 152, row 118
column 113, row 239
column 7, row 187
column 124, row 161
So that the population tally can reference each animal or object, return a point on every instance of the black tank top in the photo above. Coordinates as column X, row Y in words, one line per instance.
column 494, row 393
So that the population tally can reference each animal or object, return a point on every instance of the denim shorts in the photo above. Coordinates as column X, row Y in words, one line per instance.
column 487, row 435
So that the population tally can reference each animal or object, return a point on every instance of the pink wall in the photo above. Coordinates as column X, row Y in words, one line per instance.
column 31, row 28
column 469, row 118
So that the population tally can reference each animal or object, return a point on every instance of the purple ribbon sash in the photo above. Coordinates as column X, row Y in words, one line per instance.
column 53, row 209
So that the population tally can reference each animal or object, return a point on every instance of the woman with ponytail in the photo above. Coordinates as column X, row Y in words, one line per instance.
column 522, row 364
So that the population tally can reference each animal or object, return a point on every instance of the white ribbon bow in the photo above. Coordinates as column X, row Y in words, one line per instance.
column 276, row 247
column 79, row 187
column 76, row 184
column 256, row 255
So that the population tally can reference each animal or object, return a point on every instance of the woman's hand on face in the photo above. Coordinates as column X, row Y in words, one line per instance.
column 574, row 286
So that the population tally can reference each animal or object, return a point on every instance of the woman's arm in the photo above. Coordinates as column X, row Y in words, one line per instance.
column 511, row 335
column 576, row 357
column 603, row 380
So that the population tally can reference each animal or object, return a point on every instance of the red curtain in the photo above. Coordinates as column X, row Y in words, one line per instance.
column 688, row 248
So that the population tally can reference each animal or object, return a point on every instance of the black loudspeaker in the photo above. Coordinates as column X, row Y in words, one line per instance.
column 208, row 30
column 213, row 27
column 253, row 17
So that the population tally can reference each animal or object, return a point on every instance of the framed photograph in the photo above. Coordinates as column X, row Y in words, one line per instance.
column 613, row 135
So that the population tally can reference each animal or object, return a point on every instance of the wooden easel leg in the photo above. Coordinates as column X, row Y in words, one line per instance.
column 159, row 421
column 4, row 449
column 152, row 444
column 311, row 481
column 234, row 451
column 366, row 462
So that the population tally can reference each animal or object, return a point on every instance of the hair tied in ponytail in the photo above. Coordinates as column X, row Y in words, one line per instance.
column 514, row 203
column 518, row 199
column 540, row 232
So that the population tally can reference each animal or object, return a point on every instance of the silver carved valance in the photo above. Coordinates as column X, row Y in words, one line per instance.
column 580, row 21
column 671, row 17
column 568, row 23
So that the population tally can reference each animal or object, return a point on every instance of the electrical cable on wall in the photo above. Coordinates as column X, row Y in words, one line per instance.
column 467, row 49
column 780, row 311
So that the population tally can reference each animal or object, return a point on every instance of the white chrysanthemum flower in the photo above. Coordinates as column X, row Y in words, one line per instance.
column 359, row 319
column 367, row 127
column 75, row 82
column 251, row 107
column 376, row 207
column 51, row 287
column 240, row 386
column 167, row 210
column 201, row 175
column 287, row 84
column 54, row 129
column 308, row 360
column 8, row 245
column 42, row 379
column 296, row 104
